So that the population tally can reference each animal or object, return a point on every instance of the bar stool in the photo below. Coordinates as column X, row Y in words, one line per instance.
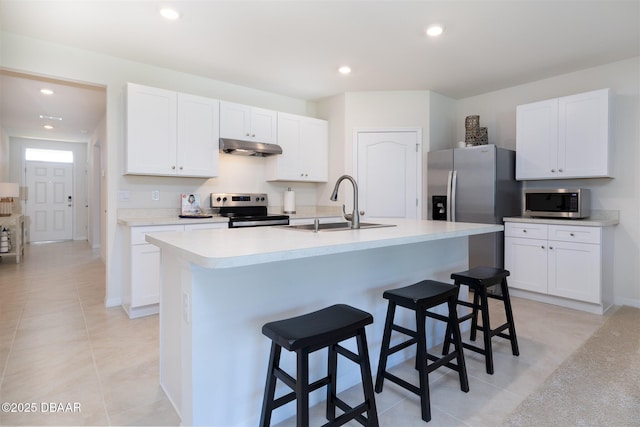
column 419, row 297
column 306, row 334
column 479, row 279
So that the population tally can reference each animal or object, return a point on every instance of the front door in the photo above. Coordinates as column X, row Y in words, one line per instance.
column 389, row 171
column 49, row 204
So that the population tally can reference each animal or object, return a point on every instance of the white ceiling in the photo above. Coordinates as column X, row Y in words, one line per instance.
column 295, row 47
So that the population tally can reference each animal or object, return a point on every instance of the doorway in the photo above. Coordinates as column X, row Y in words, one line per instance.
column 49, row 205
column 389, row 171
column 69, row 115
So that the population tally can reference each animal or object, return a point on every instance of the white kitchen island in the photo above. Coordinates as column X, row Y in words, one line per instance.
column 220, row 286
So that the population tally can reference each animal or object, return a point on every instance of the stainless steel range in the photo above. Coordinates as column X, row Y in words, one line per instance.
column 246, row 209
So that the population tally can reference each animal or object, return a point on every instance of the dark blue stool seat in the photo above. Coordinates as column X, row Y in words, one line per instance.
column 420, row 297
column 479, row 279
column 306, row 334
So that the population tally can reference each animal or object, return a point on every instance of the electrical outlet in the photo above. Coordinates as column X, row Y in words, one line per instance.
column 155, row 195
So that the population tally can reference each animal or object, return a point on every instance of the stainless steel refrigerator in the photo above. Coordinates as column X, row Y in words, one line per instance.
column 475, row 184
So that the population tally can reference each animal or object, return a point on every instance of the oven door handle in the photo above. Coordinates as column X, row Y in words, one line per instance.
column 240, row 224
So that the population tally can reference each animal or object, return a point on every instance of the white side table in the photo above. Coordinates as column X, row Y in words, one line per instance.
column 15, row 225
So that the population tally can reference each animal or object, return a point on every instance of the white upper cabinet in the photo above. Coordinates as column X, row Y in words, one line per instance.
column 198, row 130
column 247, row 123
column 170, row 133
column 305, row 150
column 565, row 137
column 151, row 130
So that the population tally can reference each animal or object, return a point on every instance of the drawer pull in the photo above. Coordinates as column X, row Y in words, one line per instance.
column 524, row 231
column 571, row 234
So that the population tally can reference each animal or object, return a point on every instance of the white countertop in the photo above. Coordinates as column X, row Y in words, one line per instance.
column 224, row 248
column 597, row 219
column 167, row 220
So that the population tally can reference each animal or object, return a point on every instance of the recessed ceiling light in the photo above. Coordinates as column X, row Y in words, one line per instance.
column 47, row 127
column 42, row 116
column 169, row 13
column 46, row 91
column 434, row 30
column 344, row 70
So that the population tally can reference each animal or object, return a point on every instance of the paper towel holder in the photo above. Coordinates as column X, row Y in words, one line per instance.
column 289, row 202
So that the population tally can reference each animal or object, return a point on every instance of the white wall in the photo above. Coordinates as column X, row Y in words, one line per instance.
column 97, row 144
column 366, row 110
column 442, row 123
column 497, row 111
column 47, row 59
column 4, row 156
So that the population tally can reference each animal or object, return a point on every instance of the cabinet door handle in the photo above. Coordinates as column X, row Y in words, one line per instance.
column 559, row 170
column 173, row 167
column 542, row 246
column 524, row 231
column 181, row 168
column 550, row 247
column 571, row 234
column 553, row 171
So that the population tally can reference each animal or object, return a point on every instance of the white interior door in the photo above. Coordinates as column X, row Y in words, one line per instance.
column 388, row 173
column 50, row 203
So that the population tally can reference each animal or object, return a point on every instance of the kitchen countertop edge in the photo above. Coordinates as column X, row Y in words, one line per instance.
column 141, row 222
column 597, row 219
column 272, row 244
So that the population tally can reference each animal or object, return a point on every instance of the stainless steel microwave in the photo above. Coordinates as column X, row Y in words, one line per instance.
column 559, row 203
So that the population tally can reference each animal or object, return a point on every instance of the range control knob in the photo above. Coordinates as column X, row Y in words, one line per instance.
column 218, row 199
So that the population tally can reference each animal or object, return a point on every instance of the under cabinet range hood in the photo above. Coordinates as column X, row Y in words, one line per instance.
column 248, row 148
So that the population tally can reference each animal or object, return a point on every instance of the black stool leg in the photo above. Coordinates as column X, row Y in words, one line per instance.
column 302, row 388
column 474, row 320
column 486, row 328
column 270, row 386
column 331, row 387
column 384, row 350
column 512, row 326
column 421, row 356
column 454, row 326
column 367, row 383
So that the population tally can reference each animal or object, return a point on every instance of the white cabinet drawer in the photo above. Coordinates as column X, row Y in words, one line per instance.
column 576, row 234
column 525, row 230
column 138, row 233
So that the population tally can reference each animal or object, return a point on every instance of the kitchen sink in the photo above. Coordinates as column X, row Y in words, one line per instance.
column 335, row 226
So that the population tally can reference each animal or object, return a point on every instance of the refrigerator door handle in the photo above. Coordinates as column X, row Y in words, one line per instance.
column 454, row 179
column 449, row 179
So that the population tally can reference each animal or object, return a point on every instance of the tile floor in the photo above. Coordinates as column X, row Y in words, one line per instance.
column 60, row 347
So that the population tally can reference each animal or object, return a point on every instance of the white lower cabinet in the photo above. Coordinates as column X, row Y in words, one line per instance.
column 548, row 261
column 141, row 291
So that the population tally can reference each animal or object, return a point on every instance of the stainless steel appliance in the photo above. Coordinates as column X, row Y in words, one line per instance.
column 474, row 184
column 249, row 148
column 559, row 203
column 246, row 209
